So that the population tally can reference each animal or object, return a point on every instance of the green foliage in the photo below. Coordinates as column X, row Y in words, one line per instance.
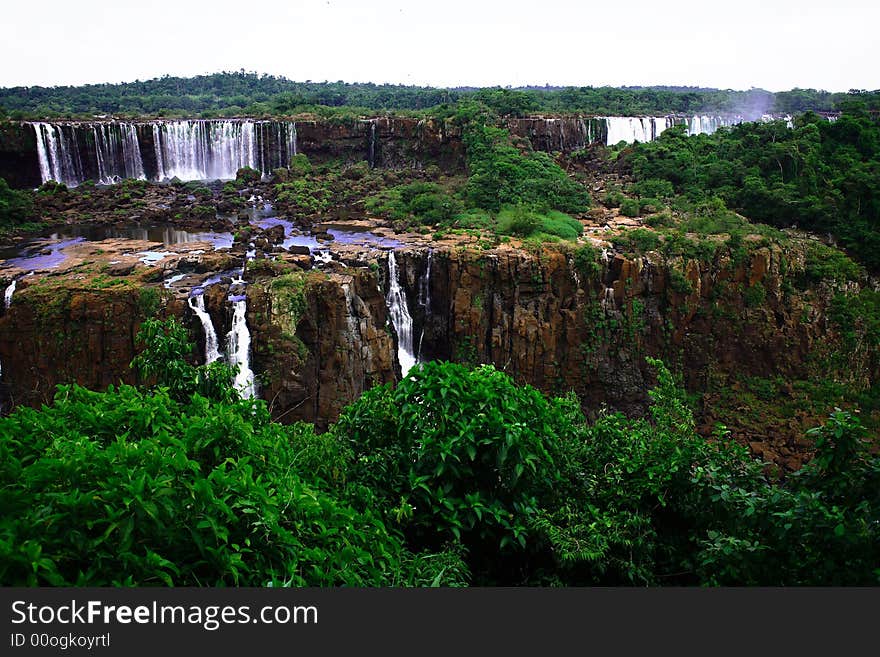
column 679, row 282
column 629, row 207
column 524, row 221
column 237, row 93
column 420, row 203
column 305, row 195
column 819, row 175
column 466, row 453
column 501, row 174
column 135, row 489
column 247, row 176
column 826, row 264
column 857, row 319
column 638, row 240
column 586, row 261
column 299, row 165
column 754, row 295
column 165, row 359
column 15, row 207
column 149, row 299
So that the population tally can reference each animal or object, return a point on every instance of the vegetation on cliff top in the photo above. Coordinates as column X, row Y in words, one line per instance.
column 820, row 176
column 240, row 93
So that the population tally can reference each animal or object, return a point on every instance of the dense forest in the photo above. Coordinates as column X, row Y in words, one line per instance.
column 241, row 93
column 819, row 175
column 455, row 477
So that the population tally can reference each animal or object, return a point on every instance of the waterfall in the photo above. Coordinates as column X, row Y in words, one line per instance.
column 7, row 297
column 238, row 347
column 118, row 152
column 204, row 150
column 58, row 153
column 400, row 317
column 633, row 128
column 186, row 149
column 425, row 300
column 131, row 152
column 212, row 352
column 372, row 155
column 607, row 303
column 648, row 128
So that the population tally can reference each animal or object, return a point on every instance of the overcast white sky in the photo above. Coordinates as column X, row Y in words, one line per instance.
column 777, row 45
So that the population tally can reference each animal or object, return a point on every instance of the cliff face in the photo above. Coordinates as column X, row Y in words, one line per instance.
column 387, row 142
column 382, row 142
column 318, row 348
column 548, row 324
column 557, row 320
column 59, row 334
column 18, row 156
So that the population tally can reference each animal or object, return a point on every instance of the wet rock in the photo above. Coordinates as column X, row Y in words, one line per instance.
column 121, row 268
column 275, row 234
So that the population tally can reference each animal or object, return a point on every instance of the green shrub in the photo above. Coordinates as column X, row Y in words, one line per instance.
column 519, row 220
column 637, row 240
column 15, row 207
column 299, row 165
column 247, row 176
column 469, row 452
column 629, row 207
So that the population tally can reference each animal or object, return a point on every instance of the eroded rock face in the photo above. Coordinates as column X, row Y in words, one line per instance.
column 320, row 348
column 320, row 338
column 544, row 322
column 53, row 335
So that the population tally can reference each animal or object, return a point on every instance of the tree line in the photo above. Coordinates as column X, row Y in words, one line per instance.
column 238, row 93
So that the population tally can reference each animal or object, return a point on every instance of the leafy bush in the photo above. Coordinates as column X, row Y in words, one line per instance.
column 135, row 489
column 637, row 240
column 629, row 207
column 423, row 203
column 299, row 165
column 500, row 174
column 247, row 176
column 15, row 207
column 524, row 221
column 465, row 453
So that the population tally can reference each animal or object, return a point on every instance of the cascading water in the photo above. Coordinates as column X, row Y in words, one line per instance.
column 372, row 155
column 400, row 317
column 607, row 302
column 212, row 350
column 425, row 300
column 239, row 347
column 634, row 128
column 189, row 150
column 118, row 152
column 7, row 296
column 203, row 150
column 58, row 153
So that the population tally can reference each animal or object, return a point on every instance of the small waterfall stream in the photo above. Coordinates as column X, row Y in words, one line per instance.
column 372, row 156
column 239, row 347
column 212, row 350
column 7, row 296
column 425, row 301
column 400, row 317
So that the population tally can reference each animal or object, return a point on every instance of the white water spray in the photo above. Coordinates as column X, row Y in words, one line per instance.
column 400, row 317
column 212, row 349
column 239, row 347
column 7, row 296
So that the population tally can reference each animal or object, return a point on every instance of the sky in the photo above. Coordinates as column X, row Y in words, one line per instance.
column 774, row 45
